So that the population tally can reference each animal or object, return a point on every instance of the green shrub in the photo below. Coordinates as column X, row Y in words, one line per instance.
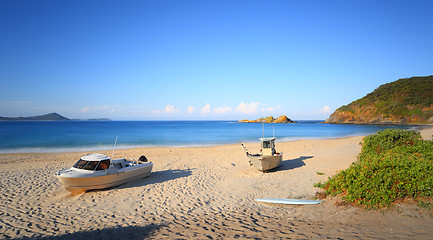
column 388, row 139
column 393, row 164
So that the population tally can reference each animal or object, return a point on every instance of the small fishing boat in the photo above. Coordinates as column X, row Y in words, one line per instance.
column 268, row 158
column 98, row 171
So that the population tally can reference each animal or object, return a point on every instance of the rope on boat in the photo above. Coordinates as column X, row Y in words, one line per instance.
column 246, row 153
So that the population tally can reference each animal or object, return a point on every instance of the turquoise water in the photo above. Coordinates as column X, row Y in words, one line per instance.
column 62, row 136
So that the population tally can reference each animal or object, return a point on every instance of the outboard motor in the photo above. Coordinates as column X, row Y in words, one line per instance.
column 142, row 159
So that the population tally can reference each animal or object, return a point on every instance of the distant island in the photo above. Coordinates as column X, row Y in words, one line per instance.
column 92, row 119
column 46, row 117
column 49, row 117
column 405, row 101
column 270, row 119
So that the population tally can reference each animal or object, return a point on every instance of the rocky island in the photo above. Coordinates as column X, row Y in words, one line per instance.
column 405, row 101
column 270, row 119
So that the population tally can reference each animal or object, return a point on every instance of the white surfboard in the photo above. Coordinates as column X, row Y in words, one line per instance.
column 288, row 201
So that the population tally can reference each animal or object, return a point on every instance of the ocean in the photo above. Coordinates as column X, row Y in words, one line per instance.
column 66, row 136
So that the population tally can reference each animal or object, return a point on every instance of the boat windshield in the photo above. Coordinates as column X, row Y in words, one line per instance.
column 86, row 165
column 104, row 164
column 80, row 164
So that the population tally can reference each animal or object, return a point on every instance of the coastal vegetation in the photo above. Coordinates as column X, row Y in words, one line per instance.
column 270, row 119
column 405, row 101
column 394, row 164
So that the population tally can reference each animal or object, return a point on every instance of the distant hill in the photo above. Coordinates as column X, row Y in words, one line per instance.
column 46, row 117
column 93, row 119
column 271, row 119
column 405, row 101
column 99, row 119
column 49, row 117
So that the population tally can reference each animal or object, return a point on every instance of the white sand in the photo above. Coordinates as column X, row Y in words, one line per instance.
column 198, row 193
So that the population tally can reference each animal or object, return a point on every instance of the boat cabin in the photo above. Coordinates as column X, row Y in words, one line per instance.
column 93, row 162
column 268, row 146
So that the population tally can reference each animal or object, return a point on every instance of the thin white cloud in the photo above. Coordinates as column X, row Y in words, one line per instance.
column 248, row 108
column 271, row 109
column 190, row 109
column 325, row 109
column 15, row 103
column 97, row 109
column 222, row 110
column 169, row 109
column 206, row 109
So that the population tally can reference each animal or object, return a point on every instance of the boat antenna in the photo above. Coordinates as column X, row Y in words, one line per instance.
column 263, row 127
column 114, row 148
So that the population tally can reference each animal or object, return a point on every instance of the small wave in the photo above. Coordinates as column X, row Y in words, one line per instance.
column 99, row 148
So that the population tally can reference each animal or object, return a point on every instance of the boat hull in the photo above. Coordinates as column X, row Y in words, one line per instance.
column 105, row 179
column 265, row 163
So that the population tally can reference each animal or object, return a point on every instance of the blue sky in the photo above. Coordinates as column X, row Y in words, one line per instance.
column 199, row 60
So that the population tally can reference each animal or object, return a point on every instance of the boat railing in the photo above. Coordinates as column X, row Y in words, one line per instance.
column 64, row 170
column 245, row 148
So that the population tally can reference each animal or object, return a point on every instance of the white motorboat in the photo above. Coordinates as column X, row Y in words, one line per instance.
column 98, row 171
column 268, row 158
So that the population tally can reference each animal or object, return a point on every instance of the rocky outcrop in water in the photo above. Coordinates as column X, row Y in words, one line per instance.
column 270, row 119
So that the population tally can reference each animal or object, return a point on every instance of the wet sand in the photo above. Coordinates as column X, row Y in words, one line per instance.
column 199, row 193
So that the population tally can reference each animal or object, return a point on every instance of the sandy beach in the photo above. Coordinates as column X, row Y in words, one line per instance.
column 199, row 193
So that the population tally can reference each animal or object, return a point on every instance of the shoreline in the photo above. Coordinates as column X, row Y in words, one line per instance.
column 78, row 144
column 198, row 192
column 83, row 150
column 381, row 124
